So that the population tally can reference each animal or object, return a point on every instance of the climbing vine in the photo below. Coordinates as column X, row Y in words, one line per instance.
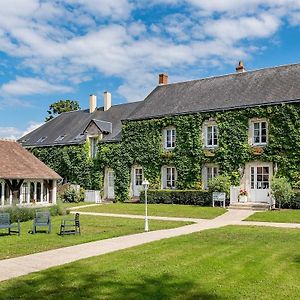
column 142, row 145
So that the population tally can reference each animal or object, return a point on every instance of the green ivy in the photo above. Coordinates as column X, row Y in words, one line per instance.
column 142, row 145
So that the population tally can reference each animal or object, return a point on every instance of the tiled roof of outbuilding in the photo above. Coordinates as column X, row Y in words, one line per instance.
column 18, row 163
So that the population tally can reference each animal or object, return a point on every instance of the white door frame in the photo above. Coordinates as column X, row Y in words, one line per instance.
column 136, row 188
column 258, row 181
column 109, row 191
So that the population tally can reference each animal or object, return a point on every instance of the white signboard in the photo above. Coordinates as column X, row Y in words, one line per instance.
column 221, row 197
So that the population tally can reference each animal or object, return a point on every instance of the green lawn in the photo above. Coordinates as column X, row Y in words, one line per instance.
column 93, row 228
column 227, row 263
column 281, row 216
column 73, row 204
column 162, row 210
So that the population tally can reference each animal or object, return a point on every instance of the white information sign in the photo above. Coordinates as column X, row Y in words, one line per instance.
column 219, row 197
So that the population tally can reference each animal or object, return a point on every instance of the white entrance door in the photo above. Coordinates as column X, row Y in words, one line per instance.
column 137, row 181
column 260, row 177
column 110, row 184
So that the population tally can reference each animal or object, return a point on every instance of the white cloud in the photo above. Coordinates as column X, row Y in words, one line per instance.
column 227, row 29
column 14, row 133
column 29, row 86
column 11, row 133
column 242, row 6
column 107, row 39
column 115, row 9
column 32, row 125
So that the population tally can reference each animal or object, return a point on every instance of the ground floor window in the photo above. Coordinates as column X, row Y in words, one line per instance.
column 169, row 176
column 208, row 173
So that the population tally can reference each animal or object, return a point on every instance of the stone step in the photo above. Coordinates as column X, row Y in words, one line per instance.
column 250, row 206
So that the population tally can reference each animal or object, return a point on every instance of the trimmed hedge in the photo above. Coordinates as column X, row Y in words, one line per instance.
column 187, row 197
column 294, row 203
column 28, row 213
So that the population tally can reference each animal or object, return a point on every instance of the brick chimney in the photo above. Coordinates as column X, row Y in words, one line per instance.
column 162, row 79
column 107, row 100
column 240, row 68
column 93, row 103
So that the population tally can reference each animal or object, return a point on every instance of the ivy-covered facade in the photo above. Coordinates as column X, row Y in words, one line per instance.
column 183, row 150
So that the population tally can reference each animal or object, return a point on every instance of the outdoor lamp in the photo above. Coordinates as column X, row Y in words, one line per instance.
column 145, row 184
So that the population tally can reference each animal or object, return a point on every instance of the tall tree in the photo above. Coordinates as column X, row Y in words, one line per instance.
column 61, row 106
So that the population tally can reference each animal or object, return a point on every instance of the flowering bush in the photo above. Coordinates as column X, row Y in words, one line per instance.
column 243, row 193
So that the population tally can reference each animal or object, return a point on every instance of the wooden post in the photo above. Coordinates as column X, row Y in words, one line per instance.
column 14, row 187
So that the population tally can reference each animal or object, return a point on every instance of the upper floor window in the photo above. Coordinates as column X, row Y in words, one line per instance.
column 211, row 135
column 93, row 147
column 170, row 138
column 169, row 176
column 259, row 132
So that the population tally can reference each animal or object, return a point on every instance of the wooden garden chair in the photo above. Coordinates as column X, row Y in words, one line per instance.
column 70, row 226
column 5, row 223
column 42, row 219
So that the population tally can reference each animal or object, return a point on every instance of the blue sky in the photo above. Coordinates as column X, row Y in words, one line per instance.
column 68, row 49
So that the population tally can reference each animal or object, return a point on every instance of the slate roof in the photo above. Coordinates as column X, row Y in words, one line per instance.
column 18, row 163
column 71, row 125
column 103, row 125
column 252, row 88
column 239, row 90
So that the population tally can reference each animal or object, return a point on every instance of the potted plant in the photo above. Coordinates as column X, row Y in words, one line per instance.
column 243, row 196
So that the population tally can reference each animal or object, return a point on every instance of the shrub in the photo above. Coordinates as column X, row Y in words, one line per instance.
column 220, row 184
column 294, row 203
column 282, row 191
column 187, row 197
column 71, row 195
column 28, row 213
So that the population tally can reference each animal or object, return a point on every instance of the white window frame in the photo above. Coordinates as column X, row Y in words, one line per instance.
column 172, row 180
column 215, row 171
column 215, row 134
column 93, row 147
column 138, row 177
column 260, row 129
column 172, row 137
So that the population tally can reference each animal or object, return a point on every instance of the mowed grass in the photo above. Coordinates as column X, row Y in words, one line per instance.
column 67, row 205
column 227, row 263
column 281, row 216
column 162, row 210
column 92, row 228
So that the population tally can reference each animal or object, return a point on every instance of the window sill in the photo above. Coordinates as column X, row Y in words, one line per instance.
column 258, row 149
column 209, row 151
column 169, row 149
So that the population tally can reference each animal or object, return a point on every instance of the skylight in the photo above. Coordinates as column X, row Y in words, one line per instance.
column 79, row 137
column 40, row 140
column 60, row 138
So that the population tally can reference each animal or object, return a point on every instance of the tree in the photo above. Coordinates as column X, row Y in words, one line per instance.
column 281, row 190
column 61, row 106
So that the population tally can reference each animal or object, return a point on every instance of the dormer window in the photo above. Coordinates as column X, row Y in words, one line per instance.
column 60, row 138
column 211, row 134
column 169, row 138
column 42, row 139
column 259, row 132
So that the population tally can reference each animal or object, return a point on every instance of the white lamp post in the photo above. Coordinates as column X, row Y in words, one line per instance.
column 145, row 184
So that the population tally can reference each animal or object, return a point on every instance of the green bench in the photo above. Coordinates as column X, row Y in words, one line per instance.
column 5, row 223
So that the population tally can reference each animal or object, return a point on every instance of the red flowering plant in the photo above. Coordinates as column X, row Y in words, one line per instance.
column 243, row 192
